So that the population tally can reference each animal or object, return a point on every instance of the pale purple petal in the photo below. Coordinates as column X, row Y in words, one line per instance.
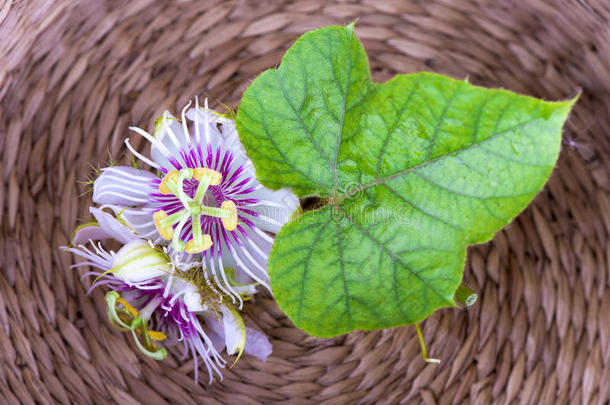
column 140, row 220
column 215, row 332
column 89, row 232
column 112, row 227
column 124, row 185
column 257, row 344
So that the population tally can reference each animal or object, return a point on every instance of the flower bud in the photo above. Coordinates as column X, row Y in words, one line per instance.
column 137, row 261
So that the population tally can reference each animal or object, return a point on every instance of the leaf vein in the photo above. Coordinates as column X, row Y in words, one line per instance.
column 441, row 119
column 421, row 209
column 422, row 249
column 510, row 159
column 428, row 162
column 478, row 119
column 455, row 192
column 393, row 256
column 297, row 114
column 305, row 267
column 346, row 293
column 393, row 126
column 342, row 123
column 279, row 150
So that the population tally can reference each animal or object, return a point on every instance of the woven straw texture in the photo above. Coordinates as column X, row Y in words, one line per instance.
column 75, row 74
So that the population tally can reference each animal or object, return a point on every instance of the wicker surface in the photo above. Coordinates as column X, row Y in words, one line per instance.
column 75, row 74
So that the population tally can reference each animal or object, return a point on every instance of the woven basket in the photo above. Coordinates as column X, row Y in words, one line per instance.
column 75, row 74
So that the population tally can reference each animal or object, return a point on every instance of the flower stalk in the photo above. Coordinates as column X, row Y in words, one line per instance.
column 424, row 350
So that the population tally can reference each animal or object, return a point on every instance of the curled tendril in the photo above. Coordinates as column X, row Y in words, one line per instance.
column 126, row 318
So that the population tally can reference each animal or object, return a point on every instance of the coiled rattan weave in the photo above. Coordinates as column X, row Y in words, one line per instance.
column 75, row 74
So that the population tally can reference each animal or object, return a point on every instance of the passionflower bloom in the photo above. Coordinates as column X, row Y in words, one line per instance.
column 205, row 198
column 158, row 299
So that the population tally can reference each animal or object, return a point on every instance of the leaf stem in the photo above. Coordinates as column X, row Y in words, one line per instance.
column 424, row 351
column 466, row 295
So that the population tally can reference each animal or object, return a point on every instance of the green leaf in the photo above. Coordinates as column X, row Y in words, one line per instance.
column 412, row 171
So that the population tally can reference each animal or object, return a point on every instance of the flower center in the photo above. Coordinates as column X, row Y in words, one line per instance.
column 193, row 209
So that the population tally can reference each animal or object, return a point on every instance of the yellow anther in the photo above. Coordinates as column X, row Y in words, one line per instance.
column 157, row 335
column 166, row 232
column 192, row 249
column 128, row 307
column 229, row 223
column 170, row 177
column 215, row 177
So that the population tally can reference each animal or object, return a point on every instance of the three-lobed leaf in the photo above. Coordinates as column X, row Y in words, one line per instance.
column 412, row 171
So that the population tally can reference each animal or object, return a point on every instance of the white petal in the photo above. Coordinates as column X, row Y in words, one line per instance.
column 112, row 227
column 153, row 141
column 234, row 329
column 227, row 258
column 228, row 129
column 174, row 141
column 242, row 273
column 255, row 269
column 245, row 290
column 139, row 219
column 244, row 286
column 124, row 186
column 207, row 125
column 275, row 208
column 257, row 344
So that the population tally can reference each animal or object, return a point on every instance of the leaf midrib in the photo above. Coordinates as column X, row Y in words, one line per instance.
column 347, row 86
column 274, row 143
column 378, row 181
column 297, row 114
column 395, row 259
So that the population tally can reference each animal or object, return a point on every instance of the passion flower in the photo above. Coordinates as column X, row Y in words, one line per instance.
column 159, row 299
column 205, row 199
